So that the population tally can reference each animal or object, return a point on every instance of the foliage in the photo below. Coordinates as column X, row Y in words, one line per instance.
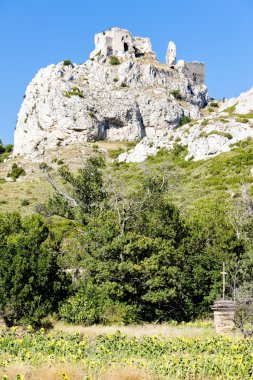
column 5, row 151
column 31, row 283
column 85, row 192
column 114, row 60
column 16, row 172
column 184, row 120
column 114, row 153
column 75, row 91
column 215, row 132
column 176, row 94
column 213, row 104
column 230, row 110
column 67, row 62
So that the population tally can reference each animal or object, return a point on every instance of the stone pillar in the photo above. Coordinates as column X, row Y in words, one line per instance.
column 224, row 312
column 171, row 54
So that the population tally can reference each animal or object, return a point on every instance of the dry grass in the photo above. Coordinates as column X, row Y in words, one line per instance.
column 139, row 331
column 55, row 371
column 127, row 374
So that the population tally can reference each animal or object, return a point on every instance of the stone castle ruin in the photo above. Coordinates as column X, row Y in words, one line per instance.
column 121, row 43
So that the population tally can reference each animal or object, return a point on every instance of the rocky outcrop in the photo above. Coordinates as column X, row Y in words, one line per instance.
column 121, row 93
column 206, row 137
column 242, row 105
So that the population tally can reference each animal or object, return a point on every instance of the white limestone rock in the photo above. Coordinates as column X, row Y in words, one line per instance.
column 171, row 56
column 201, row 141
column 243, row 104
column 67, row 104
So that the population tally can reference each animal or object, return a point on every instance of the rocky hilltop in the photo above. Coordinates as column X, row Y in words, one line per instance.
column 122, row 93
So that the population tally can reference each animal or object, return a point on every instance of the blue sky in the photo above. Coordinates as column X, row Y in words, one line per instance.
column 36, row 33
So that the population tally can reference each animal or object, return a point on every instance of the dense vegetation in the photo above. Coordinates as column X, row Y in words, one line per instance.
column 5, row 151
column 134, row 254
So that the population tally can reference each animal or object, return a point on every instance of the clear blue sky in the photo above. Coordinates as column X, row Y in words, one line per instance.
column 36, row 33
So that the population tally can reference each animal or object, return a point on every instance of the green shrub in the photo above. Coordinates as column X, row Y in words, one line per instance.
column 230, row 110
column 43, row 166
column 210, row 109
column 205, row 122
column 213, row 104
column 178, row 148
column 95, row 147
column 114, row 60
column 115, row 79
column 16, row 172
column 5, row 151
column 184, row 120
column 114, row 153
column 176, row 94
column 25, row 202
column 123, row 84
column 224, row 134
column 91, row 305
column 73, row 92
column 8, row 148
column 31, row 281
column 241, row 120
column 60, row 162
column 91, row 114
column 67, row 62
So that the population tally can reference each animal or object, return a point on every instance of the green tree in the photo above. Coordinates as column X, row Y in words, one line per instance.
column 31, row 282
column 82, row 195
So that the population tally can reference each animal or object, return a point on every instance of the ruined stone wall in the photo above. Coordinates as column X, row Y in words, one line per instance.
column 192, row 70
column 121, row 43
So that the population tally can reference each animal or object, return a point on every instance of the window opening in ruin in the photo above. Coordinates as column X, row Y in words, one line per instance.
column 125, row 46
column 137, row 53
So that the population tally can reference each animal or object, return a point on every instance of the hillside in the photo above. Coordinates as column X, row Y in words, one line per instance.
column 190, row 182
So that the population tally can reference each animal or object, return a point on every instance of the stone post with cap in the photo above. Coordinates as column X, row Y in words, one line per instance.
column 224, row 310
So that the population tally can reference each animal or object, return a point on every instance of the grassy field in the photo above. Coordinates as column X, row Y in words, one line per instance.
column 148, row 352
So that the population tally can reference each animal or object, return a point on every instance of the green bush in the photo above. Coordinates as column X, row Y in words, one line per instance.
column 91, row 114
column 25, row 202
column 184, row 120
column 213, row 104
column 31, row 283
column 5, row 151
column 114, row 60
column 74, row 92
column 67, row 62
column 176, row 94
column 16, row 172
column 92, row 305
column 123, row 84
column 114, row 153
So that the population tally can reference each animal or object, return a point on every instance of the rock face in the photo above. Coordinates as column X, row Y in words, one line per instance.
column 204, row 137
column 121, row 93
column 242, row 105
